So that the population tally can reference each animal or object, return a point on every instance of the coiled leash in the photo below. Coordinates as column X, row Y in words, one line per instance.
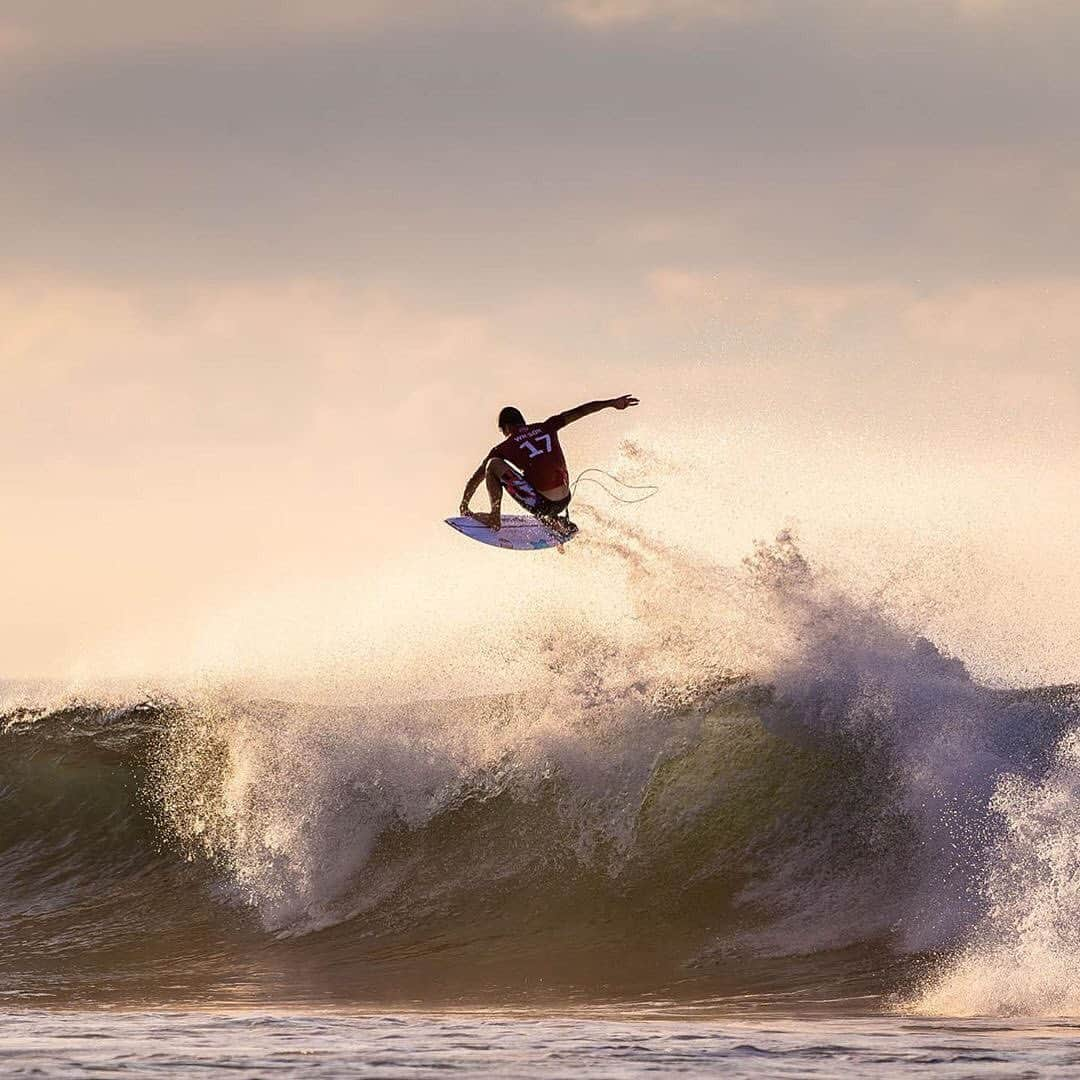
column 650, row 489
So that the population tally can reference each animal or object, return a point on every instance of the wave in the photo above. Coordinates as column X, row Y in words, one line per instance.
column 762, row 787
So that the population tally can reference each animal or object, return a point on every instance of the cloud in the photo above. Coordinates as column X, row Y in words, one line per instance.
column 977, row 353
column 984, row 8
column 120, row 373
column 688, row 14
column 606, row 13
column 14, row 40
column 1032, row 325
column 51, row 28
column 54, row 27
column 521, row 146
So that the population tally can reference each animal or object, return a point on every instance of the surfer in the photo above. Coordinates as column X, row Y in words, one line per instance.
column 530, row 465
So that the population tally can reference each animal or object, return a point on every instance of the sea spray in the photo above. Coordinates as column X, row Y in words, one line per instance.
column 1023, row 957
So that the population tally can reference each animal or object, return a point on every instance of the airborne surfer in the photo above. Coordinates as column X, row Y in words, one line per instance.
column 530, row 465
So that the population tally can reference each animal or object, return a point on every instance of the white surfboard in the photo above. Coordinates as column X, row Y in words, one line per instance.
column 518, row 533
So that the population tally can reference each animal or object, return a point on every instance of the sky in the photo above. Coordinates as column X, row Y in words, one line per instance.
column 269, row 271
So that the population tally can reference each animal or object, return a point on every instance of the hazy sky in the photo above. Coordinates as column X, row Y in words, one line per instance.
column 269, row 270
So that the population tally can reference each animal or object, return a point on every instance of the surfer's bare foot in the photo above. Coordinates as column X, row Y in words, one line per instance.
column 492, row 521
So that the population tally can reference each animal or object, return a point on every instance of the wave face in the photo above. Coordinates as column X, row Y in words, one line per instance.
column 775, row 791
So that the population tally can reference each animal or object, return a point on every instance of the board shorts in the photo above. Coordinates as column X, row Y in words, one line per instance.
column 525, row 495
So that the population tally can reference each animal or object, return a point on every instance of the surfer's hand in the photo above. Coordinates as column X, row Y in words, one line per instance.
column 624, row 402
column 463, row 510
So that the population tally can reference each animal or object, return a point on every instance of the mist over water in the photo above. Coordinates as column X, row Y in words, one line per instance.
column 676, row 777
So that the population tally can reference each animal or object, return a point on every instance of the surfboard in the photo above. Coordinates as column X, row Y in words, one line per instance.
column 518, row 533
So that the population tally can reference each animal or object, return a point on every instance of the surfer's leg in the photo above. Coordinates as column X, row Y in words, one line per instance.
column 552, row 514
column 556, row 516
column 500, row 475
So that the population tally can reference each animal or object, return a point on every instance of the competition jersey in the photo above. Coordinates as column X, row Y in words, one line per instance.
column 535, row 450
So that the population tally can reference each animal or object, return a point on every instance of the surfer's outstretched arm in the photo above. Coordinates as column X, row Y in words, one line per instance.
column 568, row 417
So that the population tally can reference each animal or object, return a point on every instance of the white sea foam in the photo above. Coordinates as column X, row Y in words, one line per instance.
column 1023, row 957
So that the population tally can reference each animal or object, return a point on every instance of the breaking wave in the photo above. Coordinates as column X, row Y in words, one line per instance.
column 750, row 785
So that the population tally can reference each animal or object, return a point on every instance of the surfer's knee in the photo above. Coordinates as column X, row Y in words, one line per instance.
column 496, row 467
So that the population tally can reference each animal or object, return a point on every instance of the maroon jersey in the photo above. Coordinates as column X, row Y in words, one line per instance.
column 535, row 450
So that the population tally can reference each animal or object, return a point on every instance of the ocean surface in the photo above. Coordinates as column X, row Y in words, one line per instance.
column 760, row 828
column 198, row 1045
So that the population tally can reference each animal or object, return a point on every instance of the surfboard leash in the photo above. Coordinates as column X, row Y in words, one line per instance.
column 650, row 489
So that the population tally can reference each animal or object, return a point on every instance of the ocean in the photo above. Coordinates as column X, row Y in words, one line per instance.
column 165, row 1043
column 778, row 834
